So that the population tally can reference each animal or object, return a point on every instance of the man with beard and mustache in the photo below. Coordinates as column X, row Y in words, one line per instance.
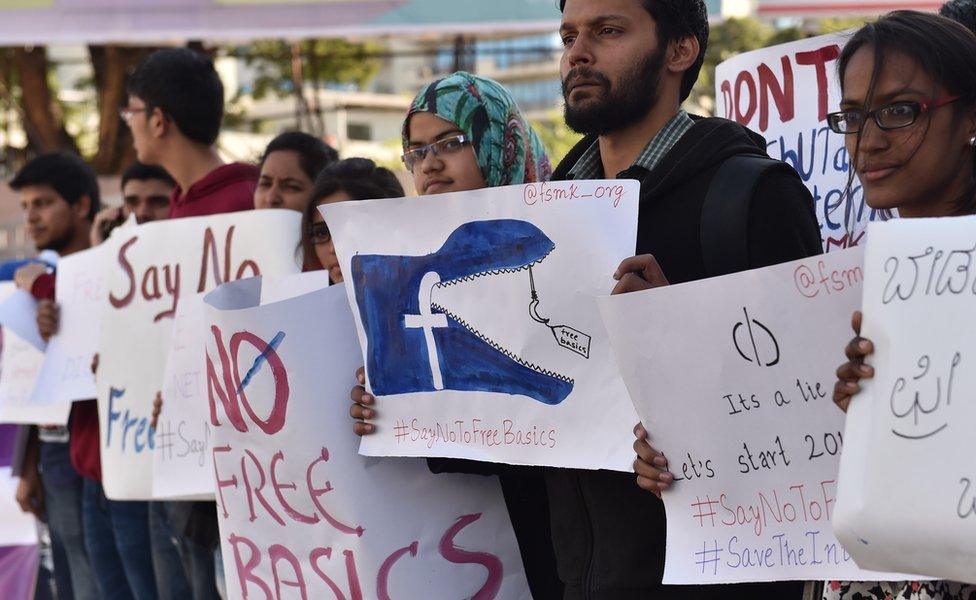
column 59, row 195
column 627, row 66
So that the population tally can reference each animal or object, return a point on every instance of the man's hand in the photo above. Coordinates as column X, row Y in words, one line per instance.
column 26, row 275
column 112, row 214
column 362, row 408
column 48, row 317
column 30, row 493
column 650, row 465
column 638, row 273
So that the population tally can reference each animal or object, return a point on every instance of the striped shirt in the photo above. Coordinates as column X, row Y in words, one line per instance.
column 590, row 165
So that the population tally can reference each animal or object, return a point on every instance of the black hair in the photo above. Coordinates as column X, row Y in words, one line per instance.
column 66, row 173
column 138, row 171
column 943, row 48
column 360, row 178
column 183, row 84
column 962, row 12
column 678, row 19
column 313, row 154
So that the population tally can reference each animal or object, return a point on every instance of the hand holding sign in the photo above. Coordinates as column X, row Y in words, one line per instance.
column 855, row 369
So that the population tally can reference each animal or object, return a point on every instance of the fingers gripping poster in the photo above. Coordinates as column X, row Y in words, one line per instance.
column 301, row 513
column 733, row 378
column 480, row 332
column 907, row 495
column 151, row 268
column 784, row 93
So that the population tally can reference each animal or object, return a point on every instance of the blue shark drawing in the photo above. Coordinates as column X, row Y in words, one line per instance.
column 414, row 345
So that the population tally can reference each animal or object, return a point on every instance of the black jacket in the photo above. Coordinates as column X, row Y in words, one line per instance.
column 608, row 533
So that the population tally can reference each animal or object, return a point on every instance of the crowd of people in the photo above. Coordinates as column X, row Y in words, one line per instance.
column 908, row 115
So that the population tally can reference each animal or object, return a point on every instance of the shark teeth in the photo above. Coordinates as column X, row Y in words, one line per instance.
column 511, row 355
column 452, row 282
column 496, row 346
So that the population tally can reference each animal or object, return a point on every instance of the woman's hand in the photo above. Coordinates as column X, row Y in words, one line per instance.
column 854, row 370
column 650, row 465
column 362, row 408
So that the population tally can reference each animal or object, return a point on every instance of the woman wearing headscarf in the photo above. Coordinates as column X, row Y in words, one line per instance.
column 462, row 133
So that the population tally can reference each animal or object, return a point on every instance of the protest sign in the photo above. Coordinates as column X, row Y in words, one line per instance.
column 152, row 267
column 478, row 323
column 907, row 498
column 784, row 93
column 66, row 374
column 182, row 466
column 18, row 530
column 20, row 365
column 181, row 458
column 298, row 507
column 18, row 313
column 16, row 527
column 732, row 378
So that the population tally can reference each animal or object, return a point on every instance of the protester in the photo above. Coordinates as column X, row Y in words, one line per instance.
column 909, row 116
column 350, row 179
column 146, row 191
column 961, row 11
column 446, row 151
column 60, row 196
column 176, row 104
column 289, row 166
column 626, row 68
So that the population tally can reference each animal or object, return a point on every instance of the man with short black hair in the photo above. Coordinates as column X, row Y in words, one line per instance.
column 176, row 104
column 59, row 195
column 627, row 66
column 146, row 193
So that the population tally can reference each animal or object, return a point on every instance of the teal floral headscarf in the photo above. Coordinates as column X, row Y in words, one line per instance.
column 509, row 151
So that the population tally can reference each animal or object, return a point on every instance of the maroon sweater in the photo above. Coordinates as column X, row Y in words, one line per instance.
column 228, row 188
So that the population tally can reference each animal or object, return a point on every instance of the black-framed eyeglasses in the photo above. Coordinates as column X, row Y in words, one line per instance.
column 127, row 112
column 892, row 116
column 318, row 233
column 445, row 147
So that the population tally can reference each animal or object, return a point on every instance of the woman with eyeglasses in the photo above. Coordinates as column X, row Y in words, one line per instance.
column 464, row 133
column 349, row 179
column 909, row 116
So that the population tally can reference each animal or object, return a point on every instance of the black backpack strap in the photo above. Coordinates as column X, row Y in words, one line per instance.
column 725, row 213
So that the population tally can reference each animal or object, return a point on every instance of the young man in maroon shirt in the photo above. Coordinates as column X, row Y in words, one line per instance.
column 175, row 108
column 60, row 196
column 176, row 104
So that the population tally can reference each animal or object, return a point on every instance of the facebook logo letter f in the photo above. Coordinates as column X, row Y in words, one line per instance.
column 427, row 321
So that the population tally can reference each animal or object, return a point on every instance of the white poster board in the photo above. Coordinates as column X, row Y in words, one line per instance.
column 20, row 365
column 480, row 332
column 733, row 377
column 17, row 528
column 182, row 461
column 298, row 507
column 80, row 292
column 152, row 267
column 784, row 93
column 182, row 466
column 907, row 495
